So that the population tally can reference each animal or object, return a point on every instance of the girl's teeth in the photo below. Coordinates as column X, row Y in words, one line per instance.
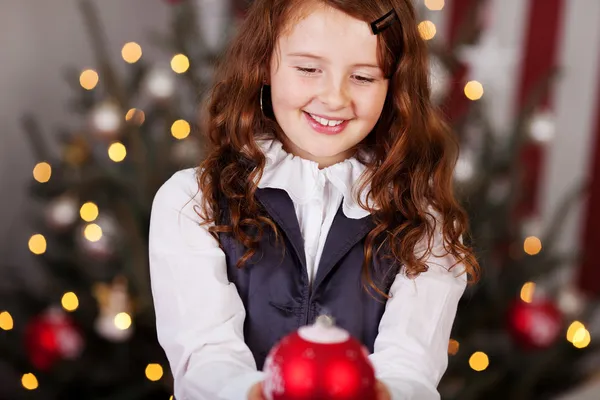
column 325, row 122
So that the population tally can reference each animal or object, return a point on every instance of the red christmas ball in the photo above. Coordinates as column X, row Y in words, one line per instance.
column 320, row 361
column 535, row 325
column 50, row 337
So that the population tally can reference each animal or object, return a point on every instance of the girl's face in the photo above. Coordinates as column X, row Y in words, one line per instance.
column 326, row 86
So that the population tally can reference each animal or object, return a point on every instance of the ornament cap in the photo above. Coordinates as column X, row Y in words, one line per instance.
column 324, row 330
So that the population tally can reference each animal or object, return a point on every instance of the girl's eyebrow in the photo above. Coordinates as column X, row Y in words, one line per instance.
column 316, row 57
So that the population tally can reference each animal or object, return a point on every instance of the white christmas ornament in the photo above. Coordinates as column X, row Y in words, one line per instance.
column 104, row 247
column 113, row 300
column 62, row 212
column 542, row 127
column 464, row 170
column 160, row 83
column 106, row 119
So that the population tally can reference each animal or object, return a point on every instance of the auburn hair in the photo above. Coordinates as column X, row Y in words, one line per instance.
column 409, row 173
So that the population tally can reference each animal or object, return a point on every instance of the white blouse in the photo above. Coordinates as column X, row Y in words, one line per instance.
column 200, row 316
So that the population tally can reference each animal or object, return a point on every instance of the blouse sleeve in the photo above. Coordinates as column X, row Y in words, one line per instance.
column 199, row 314
column 411, row 348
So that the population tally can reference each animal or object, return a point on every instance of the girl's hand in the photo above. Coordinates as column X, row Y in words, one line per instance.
column 255, row 392
column 383, row 393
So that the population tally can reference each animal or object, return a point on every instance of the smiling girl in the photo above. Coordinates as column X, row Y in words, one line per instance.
column 327, row 188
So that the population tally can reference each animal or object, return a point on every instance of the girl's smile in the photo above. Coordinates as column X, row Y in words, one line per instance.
column 327, row 126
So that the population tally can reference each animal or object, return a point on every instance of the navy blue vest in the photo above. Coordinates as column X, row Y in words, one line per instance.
column 275, row 288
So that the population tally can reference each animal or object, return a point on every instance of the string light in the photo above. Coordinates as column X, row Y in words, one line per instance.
column 131, row 52
column 6, row 321
column 527, row 292
column 427, row 30
column 93, row 232
column 136, row 116
column 117, row 152
column 473, row 90
column 122, row 321
column 42, row 172
column 180, row 129
column 88, row 212
column 88, row 79
column 453, row 347
column 479, row 361
column 69, row 301
column 582, row 338
column 37, row 244
column 29, row 381
column 180, row 63
column 434, row 5
column 154, row 372
column 532, row 245
column 573, row 328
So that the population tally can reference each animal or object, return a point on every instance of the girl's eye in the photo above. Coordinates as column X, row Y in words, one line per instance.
column 363, row 79
column 307, row 71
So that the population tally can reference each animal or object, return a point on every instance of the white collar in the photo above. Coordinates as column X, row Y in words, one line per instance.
column 301, row 178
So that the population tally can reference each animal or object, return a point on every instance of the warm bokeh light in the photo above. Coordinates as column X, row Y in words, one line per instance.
column 532, row 245
column 527, row 292
column 122, row 321
column 434, row 5
column 29, row 381
column 582, row 338
column 89, row 212
column 180, row 129
column 131, row 52
column 453, row 347
column 88, row 79
column 93, row 232
column 69, row 301
column 42, row 172
column 573, row 328
column 117, row 152
column 427, row 30
column 154, row 372
column 479, row 361
column 37, row 244
column 135, row 116
column 6, row 321
column 473, row 90
column 180, row 63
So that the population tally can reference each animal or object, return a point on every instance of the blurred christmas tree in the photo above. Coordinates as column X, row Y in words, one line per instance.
column 90, row 334
column 522, row 331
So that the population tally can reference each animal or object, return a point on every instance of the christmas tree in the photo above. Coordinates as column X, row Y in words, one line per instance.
column 90, row 334
column 522, row 331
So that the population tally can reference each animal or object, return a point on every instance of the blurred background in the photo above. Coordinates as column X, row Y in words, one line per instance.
column 99, row 107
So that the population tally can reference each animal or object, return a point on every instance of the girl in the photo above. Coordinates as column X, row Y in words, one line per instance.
column 326, row 188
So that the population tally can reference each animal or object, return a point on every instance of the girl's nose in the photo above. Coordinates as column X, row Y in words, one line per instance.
column 335, row 94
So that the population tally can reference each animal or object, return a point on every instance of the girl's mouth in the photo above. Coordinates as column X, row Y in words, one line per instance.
column 325, row 126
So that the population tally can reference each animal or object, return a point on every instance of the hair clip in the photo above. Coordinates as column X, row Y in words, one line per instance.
column 380, row 24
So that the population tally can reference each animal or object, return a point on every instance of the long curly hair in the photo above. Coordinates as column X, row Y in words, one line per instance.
column 412, row 150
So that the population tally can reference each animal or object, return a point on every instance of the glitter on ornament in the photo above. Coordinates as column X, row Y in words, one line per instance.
column 319, row 361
